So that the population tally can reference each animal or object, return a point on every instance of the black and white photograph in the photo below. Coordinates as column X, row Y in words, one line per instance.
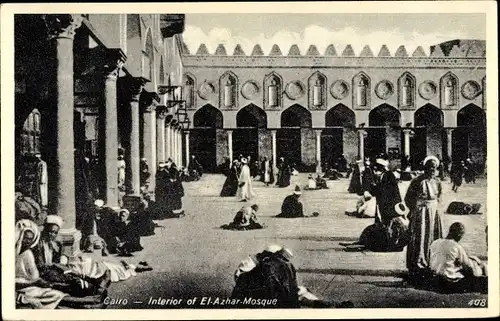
column 334, row 160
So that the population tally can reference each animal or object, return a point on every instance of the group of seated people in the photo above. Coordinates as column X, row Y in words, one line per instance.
column 316, row 183
column 46, row 278
column 115, row 231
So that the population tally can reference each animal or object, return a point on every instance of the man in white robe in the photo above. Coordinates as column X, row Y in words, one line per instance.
column 42, row 180
column 245, row 191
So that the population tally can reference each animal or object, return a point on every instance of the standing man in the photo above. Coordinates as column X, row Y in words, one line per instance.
column 245, row 191
column 41, row 180
column 267, row 171
column 386, row 191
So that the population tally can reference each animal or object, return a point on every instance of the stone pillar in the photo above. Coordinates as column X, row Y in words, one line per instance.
column 449, row 146
column 179, row 146
column 173, row 145
column 109, row 127
column 230, row 146
column 148, row 106
column 273, row 135
column 318, row 151
column 168, row 142
column 133, row 197
column 186, row 135
column 61, row 33
column 160, row 135
column 361, row 146
column 407, row 135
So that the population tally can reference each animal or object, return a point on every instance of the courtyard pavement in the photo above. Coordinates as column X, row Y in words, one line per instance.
column 193, row 257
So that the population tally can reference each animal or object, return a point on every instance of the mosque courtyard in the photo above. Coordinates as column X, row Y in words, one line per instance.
column 193, row 257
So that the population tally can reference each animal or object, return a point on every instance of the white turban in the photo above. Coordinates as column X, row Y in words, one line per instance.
column 54, row 219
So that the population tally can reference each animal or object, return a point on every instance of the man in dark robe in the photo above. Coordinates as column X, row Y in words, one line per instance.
column 386, row 191
column 355, row 184
column 367, row 177
column 195, row 168
column 274, row 277
column 284, row 173
column 145, row 174
column 231, row 184
column 292, row 207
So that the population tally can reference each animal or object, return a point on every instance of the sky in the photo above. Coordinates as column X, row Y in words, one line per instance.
column 409, row 29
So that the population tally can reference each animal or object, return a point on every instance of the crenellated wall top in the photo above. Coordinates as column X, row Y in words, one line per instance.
column 451, row 54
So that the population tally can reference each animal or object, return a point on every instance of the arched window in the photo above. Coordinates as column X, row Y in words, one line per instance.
column 228, row 86
column 30, row 137
column 317, row 90
column 361, row 91
column 449, row 91
column 407, row 91
column 273, row 85
column 189, row 90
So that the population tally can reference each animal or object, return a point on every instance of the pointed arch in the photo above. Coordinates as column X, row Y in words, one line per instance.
column 448, row 88
column 361, row 89
column 471, row 116
column 189, row 90
column 148, row 56
column 340, row 116
column 428, row 116
column 407, row 90
column 273, row 91
column 208, row 116
column 162, row 71
column 296, row 116
column 251, row 116
column 228, row 90
column 317, row 84
column 384, row 115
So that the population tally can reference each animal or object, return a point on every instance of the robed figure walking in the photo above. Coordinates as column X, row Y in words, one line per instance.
column 386, row 191
column 245, row 190
column 231, row 184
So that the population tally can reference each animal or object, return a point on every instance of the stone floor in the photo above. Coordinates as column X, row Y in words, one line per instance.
column 193, row 257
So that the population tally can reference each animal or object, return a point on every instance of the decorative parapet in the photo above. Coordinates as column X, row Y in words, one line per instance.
column 261, row 61
column 330, row 51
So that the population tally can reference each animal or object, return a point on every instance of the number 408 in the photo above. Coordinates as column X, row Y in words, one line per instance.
column 478, row 302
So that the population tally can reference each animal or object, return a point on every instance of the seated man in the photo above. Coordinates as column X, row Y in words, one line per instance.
column 311, row 183
column 321, row 183
column 245, row 219
column 455, row 270
column 271, row 275
column 292, row 207
column 379, row 237
column 366, row 207
column 94, row 241
column 126, row 236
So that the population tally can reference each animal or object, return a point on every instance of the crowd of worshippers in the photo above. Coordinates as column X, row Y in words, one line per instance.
column 243, row 170
column 415, row 223
column 45, row 278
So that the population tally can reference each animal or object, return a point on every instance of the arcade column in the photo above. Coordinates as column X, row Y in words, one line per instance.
column 230, row 146
column 186, row 136
column 408, row 133
column 318, row 151
column 61, row 32
column 149, row 101
column 273, row 136
column 115, row 59
column 133, row 197
column 449, row 146
column 179, row 146
column 161, row 113
column 168, row 142
column 361, row 143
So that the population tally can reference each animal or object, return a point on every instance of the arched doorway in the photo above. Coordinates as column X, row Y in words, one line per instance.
column 294, row 120
column 338, row 121
column 469, row 138
column 428, row 138
column 383, row 134
column 203, row 136
column 246, row 137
